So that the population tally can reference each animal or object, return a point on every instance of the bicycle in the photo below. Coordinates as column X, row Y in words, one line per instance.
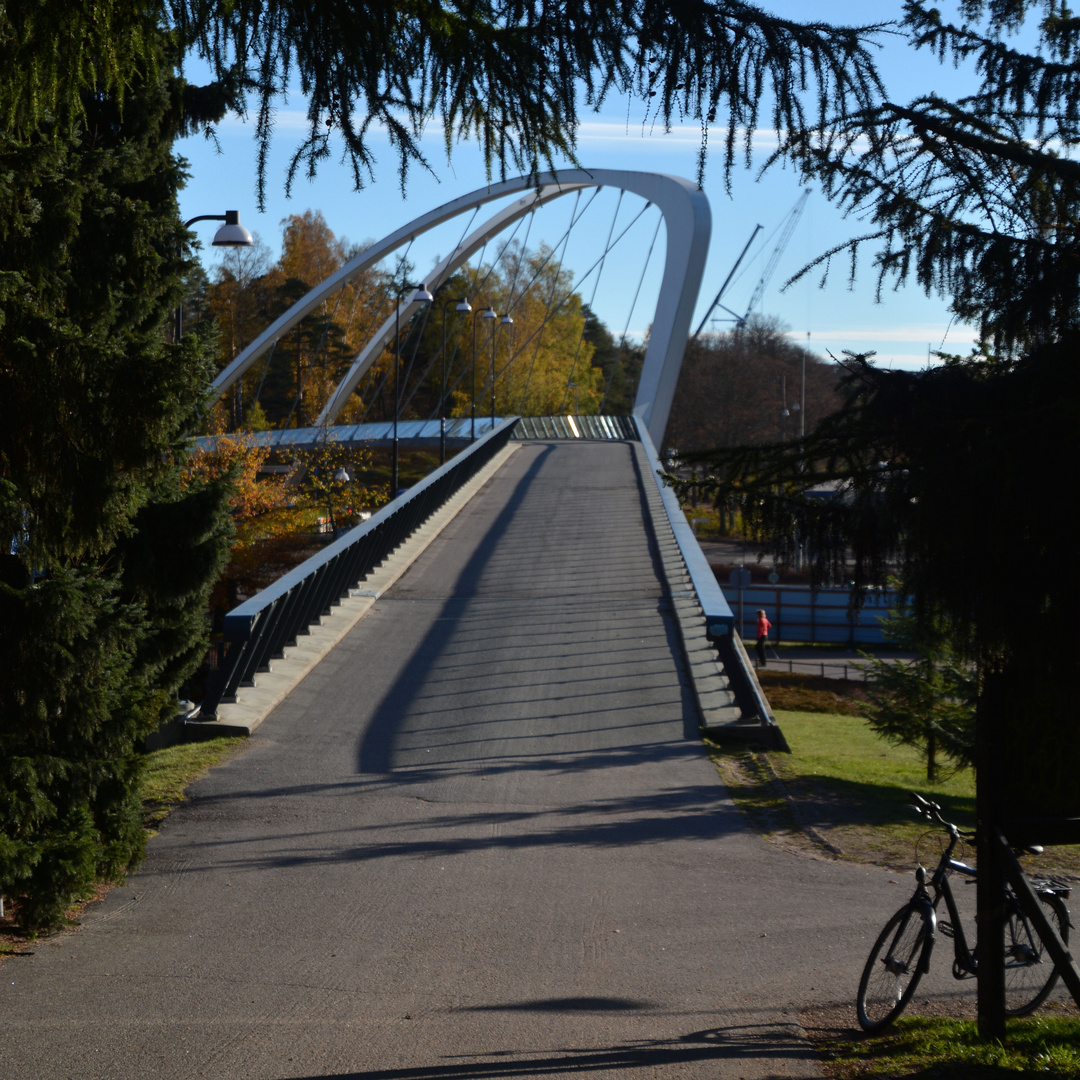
column 901, row 954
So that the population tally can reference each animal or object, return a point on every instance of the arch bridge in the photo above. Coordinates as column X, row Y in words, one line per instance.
column 555, row 457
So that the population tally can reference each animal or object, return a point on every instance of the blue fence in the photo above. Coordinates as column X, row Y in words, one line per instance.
column 258, row 630
column 798, row 613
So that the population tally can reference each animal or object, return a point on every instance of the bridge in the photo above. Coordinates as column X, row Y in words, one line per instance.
column 474, row 831
column 262, row 631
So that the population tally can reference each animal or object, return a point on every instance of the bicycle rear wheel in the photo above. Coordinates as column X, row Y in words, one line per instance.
column 896, row 963
column 1030, row 972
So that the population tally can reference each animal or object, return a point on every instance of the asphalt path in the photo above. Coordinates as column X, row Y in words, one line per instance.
column 480, row 839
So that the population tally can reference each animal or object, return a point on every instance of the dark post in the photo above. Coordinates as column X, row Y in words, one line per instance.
column 990, row 886
column 423, row 296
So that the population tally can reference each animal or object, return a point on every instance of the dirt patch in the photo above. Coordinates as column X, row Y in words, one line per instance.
column 812, row 693
column 14, row 943
column 764, row 800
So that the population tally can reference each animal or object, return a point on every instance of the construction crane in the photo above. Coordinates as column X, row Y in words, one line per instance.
column 787, row 228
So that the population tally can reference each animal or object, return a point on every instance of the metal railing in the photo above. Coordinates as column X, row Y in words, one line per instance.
column 818, row 616
column 259, row 629
column 719, row 618
column 575, row 427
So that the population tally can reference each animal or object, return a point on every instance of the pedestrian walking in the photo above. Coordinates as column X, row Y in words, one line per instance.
column 763, row 626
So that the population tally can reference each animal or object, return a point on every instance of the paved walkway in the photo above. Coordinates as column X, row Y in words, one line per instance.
column 479, row 840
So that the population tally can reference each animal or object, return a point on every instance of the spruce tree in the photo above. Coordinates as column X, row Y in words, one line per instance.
column 106, row 561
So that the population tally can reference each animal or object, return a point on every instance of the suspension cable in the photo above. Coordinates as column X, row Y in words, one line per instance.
column 630, row 313
column 592, row 298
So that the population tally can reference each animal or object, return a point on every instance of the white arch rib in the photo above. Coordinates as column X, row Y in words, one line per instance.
column 688, row 222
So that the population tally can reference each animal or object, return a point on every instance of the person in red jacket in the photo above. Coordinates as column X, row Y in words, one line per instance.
column 763, row 626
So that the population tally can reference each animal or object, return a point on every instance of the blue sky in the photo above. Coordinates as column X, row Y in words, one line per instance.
column 902, row 328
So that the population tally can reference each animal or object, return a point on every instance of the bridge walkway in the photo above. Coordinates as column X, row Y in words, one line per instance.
column 480, row 839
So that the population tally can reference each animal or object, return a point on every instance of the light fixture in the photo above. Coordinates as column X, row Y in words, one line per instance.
column 232, row 233
column 421, row 296
column 462, row 307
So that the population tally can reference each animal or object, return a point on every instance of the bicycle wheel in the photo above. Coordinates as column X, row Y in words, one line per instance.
column 1030, row 973
column 896, row 963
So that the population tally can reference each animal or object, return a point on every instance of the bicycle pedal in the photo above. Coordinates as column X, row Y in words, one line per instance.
column 945, row 928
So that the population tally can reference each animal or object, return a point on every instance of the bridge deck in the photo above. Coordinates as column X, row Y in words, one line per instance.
column 479, row 840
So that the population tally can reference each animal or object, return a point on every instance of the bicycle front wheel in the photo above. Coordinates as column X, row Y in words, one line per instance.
column 897, row 961
column 1030, row 972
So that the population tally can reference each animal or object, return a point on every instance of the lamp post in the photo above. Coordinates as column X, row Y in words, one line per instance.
column 504, row 321
column 231, row 234
column 487, row 313
column 462, row 307
column 421, row 296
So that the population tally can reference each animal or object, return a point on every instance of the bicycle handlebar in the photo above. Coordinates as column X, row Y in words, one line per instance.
column 932, row 812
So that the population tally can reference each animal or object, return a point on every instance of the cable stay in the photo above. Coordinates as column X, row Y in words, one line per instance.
column 630, row 313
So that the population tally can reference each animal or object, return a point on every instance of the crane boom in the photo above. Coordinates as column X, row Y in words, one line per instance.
column 727, row 282
column 785, row 237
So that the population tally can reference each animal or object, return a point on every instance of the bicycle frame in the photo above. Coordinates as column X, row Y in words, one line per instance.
column 901, row 954
column 964, row 962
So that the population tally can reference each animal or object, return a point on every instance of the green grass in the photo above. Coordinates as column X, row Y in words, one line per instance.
column 168, row 773
column 843, row 784
column 937, row 1047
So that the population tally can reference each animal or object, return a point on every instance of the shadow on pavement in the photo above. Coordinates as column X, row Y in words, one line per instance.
column 739, row 1043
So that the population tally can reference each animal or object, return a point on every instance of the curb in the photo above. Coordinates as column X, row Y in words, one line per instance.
column 255, row 703
column 717, row 707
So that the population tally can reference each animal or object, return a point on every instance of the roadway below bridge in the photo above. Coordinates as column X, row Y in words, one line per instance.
column 480, row 839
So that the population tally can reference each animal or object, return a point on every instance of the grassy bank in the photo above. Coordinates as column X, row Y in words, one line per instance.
column 844, row 789
column 945, row 1048
column 169, row 772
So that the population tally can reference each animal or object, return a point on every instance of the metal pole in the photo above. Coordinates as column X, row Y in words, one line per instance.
column 422, row 296
column 227, row 237
column 442, row 395
column 397, row 397
column 472, row 411
column 462, row 307
column 802, row 395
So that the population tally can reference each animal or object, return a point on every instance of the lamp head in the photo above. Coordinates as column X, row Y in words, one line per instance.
column 422, row 296
column 463, row 305
column 232, row 233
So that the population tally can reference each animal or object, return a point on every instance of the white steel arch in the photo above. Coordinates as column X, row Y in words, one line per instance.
column 688, row 221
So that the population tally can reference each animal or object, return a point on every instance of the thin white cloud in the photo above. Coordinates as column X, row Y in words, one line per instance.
column 601, row 134
column 955, row 336
column 604, row 133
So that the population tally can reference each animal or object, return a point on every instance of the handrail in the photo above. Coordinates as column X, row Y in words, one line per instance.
column 719, row 618
column 261, row 627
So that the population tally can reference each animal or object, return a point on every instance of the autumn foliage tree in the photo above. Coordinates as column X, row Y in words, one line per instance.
column 250, row 290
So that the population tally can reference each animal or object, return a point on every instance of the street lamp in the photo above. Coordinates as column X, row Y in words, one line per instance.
column 504, row 321
column 462, row 307
column 231, row 234
column 487, row 313
column 421, row 296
